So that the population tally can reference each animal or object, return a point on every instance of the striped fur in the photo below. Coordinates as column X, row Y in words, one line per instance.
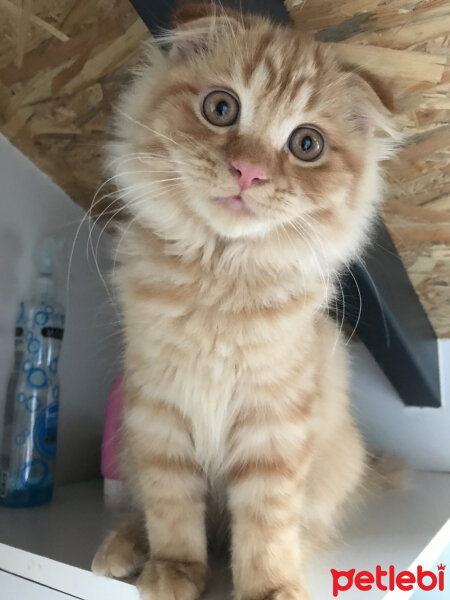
column 236, row 380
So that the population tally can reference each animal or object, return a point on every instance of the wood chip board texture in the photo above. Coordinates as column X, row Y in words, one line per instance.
column 75, row 57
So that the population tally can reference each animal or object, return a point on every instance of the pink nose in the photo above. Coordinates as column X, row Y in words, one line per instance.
column 247, row 174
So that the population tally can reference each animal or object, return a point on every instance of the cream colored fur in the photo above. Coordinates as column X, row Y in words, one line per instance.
column 236, row 399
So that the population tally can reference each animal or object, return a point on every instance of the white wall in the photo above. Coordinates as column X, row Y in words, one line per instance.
column 420, row 435
column 31, row 207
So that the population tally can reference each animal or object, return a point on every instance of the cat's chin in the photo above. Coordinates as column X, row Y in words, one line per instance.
column 230, row 218
column 234, row 203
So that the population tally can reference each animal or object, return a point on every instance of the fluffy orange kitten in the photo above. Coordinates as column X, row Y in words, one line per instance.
column 248, row 161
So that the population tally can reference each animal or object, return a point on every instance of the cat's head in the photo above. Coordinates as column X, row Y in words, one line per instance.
column 244, row 129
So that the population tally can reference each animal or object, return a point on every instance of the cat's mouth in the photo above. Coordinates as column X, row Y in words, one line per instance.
column 235, row 203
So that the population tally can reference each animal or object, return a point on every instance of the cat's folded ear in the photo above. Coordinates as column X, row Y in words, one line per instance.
column 197, row 25
column 378, row 93
column 372, row 108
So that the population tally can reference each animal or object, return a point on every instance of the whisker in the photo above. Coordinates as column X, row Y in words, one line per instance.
column 124, row 114
column 343, row 314
column 380, row 304
column 360, row 305
column 144, row 157
column 129, row 225
column 313, row 231
column 121, row 192
column 313, row 254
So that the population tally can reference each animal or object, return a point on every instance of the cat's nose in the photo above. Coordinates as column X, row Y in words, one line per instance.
column 247, row 174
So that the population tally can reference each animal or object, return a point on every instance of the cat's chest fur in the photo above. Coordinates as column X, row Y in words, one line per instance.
column 205, row 340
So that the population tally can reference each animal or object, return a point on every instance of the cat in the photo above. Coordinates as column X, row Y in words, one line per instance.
column 248, row 162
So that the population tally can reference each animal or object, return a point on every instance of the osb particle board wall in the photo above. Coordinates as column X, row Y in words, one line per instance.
column 63, row 62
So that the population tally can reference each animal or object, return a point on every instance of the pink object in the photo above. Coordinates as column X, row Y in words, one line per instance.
column 113, row 418
column 247, row 174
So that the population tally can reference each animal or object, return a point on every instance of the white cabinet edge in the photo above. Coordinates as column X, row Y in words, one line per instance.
column 17, row 587
column 65, row 578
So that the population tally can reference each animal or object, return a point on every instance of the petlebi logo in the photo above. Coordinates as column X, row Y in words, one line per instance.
column 389, row 579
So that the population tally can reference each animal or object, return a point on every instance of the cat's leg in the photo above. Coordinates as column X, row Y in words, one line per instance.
column 266, row 479
column 124, row 551
column 336, row 485
column 172, row 493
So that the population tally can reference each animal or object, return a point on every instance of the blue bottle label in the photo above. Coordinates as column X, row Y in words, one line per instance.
column 35, row 398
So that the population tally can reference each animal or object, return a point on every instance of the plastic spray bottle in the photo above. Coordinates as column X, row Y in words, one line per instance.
column 28, row 451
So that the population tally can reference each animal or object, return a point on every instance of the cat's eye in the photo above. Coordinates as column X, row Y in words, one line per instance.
column 306, row 143
column 220, row 108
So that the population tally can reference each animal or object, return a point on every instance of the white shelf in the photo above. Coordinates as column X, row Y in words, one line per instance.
column 53, row 545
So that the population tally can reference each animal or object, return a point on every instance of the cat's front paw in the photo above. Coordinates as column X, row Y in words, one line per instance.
column 172, row 580
column 119, row 556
